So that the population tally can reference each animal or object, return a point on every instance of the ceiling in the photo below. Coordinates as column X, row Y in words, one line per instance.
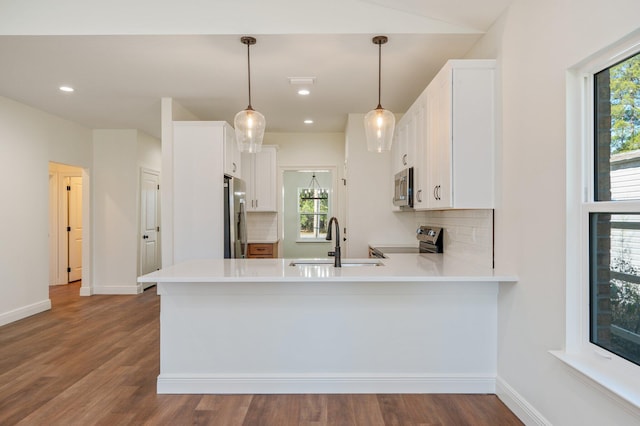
column 120, row 75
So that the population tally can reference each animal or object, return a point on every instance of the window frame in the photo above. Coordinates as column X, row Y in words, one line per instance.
column 316, row 239
column 616, row 374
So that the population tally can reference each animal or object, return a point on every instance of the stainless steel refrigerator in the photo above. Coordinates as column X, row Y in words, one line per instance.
column 235, row 218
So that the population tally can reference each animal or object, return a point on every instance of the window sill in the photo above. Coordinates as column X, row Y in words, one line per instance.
column 313, row 240
column 621, row 381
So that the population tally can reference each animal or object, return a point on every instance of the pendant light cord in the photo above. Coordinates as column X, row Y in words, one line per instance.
column 249, row 73
column 379, row 74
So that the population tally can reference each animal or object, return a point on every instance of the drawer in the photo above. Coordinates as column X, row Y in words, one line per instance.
column 262, row 250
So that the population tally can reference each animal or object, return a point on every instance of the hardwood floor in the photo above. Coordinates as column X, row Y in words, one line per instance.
column 94, row 361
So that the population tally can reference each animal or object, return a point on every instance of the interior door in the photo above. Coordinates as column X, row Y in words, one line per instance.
column 149, row 221
column 74, row 227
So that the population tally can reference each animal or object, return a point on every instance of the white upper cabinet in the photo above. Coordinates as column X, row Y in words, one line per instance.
column 406, row 139
column 232, row 158
column 403, row 150
column 455, row 168
column 259, row 172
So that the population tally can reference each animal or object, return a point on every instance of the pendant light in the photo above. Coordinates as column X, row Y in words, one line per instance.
column 249, row 124
column 379, row 123
column 314, row 191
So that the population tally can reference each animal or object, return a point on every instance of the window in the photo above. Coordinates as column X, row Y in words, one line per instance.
column 614, row 211
column 313, row 212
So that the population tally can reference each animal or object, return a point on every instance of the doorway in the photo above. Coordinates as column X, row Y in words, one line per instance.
column 149, row 250
column 308, row 203
column 65, row 223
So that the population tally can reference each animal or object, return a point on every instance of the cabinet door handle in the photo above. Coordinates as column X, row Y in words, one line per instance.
column 435, row 192
column 256, row 204
column 404, row 160
column 234, row 167
column 419, row 195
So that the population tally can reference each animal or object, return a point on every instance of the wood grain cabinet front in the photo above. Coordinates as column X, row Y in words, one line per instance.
column 262, row 250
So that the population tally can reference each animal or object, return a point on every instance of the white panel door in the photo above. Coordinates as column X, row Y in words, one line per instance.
column 149, row 221
column 74, row 227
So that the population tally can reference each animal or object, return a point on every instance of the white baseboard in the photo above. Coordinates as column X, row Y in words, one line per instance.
column 296, row 384
column 25, row 311
column 117, row 289
column 520, row 407
column 85, row 291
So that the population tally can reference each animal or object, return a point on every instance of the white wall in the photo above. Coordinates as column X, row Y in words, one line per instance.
column 170, row 111
column 535, row 43
column 29, row 139
column 311, row 151
column 308, row 149
column 149, row 152
column 114, row 227
column 117, row 158
column 370, row 218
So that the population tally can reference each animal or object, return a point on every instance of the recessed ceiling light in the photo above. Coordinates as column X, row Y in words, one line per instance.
column 308, row 121
column 303, row 92
column 66, row 88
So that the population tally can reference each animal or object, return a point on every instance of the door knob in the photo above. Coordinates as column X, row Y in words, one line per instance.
column 144, row 237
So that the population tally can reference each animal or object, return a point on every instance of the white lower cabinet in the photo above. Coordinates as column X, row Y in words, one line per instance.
column 455, row 167
column 259, row 173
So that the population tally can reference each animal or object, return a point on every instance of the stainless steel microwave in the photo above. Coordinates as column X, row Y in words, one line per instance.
column 403, row 188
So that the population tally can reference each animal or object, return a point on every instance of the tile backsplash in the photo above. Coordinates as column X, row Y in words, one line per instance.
column 468, row 234
column 262, row 227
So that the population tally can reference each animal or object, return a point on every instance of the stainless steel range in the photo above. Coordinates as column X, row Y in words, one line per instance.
column 429, row 241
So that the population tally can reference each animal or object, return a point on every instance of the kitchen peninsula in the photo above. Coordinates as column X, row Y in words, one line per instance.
column 414, row 323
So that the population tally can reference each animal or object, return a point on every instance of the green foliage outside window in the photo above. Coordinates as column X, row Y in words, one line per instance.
column 313, row 209
column 625, row 105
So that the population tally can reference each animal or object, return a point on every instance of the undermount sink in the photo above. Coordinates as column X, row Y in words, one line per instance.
column 345, row 263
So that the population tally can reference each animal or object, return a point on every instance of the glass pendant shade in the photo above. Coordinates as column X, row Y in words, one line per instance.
column 378, row 128
column 249, row 126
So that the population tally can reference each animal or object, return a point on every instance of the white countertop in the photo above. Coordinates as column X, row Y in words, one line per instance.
column 397, row 268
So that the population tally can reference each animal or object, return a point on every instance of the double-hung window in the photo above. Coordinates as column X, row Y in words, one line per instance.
column 603, row 219
column 613, row 210
column 313, row 213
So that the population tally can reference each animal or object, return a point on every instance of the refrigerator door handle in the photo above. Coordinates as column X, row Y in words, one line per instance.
column 243, row 231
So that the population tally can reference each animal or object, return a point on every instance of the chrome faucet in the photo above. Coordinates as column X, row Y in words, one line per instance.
column 336, row 252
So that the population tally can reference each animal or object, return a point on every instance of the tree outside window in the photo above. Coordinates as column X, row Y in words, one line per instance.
column 313, row 213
